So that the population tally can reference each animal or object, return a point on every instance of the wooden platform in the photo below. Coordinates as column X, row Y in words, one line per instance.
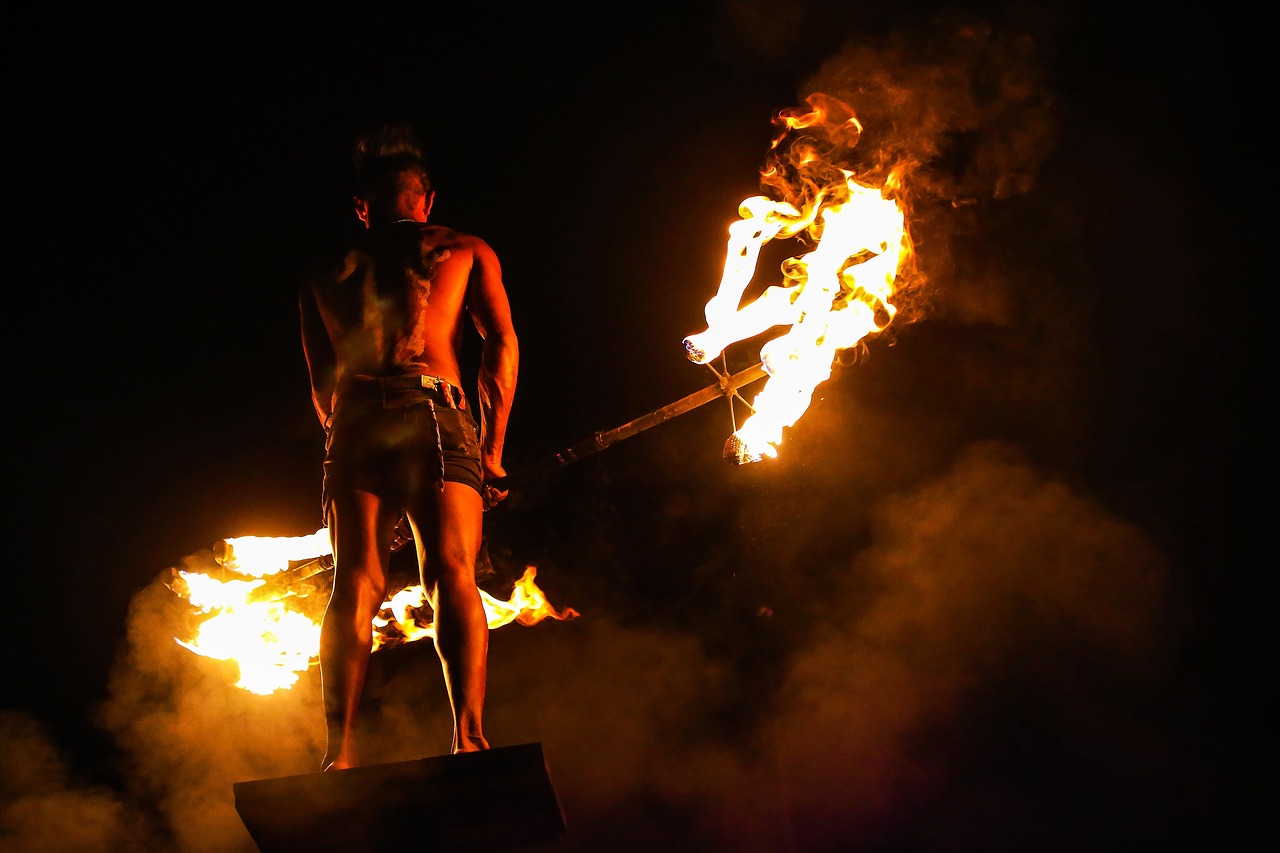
column 497, row 799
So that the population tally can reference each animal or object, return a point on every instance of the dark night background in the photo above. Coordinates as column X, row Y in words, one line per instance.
column 999, row 589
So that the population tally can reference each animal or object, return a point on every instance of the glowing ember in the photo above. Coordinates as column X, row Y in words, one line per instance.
column 267, row 620
column 836, row 295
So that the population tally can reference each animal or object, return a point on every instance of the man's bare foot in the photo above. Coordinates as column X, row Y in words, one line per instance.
column 342, row 762
column 469, row 744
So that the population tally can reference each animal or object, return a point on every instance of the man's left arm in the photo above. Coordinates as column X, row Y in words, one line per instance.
column 318, row 351
column 500, row 356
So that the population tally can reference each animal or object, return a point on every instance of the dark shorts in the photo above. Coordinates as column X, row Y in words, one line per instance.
column 399, row 437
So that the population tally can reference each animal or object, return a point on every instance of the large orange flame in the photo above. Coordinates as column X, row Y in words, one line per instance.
column 835, row 295
column 264, row 613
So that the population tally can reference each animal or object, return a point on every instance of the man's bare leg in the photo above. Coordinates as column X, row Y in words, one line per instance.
column 346, row 634
column 448, row 536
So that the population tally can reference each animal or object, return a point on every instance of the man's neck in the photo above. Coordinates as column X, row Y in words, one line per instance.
column 378, row 223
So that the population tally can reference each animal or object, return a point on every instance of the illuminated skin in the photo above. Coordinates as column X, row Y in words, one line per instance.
column 419, row 322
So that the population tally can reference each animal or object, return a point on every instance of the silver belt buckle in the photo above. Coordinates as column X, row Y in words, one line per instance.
column 438, row 384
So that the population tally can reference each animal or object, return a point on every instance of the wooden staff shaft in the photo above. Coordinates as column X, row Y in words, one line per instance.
column 600, row 440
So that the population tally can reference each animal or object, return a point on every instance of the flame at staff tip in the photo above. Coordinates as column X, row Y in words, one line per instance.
column 257, row 556
column 267, row 621
column 835, row 295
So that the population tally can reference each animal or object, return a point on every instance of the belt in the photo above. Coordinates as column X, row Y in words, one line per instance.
column 405, row 388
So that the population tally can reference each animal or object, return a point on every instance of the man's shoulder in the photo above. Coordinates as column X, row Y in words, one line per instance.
column 446, row 233
column 445, row 237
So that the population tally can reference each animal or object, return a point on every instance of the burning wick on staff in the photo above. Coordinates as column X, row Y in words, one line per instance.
column 835, row 295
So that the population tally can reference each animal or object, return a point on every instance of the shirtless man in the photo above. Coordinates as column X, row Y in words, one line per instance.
column 381, row 329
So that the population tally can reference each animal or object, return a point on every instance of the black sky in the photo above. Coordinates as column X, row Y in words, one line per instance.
column 1001, row 572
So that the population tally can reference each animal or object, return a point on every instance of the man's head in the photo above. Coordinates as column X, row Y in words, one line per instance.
column 392, row 182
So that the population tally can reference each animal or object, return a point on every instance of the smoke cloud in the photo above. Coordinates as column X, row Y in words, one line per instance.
column 44, row 806
column 960, row 111
column 962, row 105
column 997, row 607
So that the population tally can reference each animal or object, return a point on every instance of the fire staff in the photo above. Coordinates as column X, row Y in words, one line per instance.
column 382, row 324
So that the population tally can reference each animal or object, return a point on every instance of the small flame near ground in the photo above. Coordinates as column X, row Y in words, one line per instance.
column 835, row 295
column 264, row 611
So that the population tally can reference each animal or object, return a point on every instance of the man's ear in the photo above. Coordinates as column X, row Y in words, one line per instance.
column 362, row 209
column 431, row 199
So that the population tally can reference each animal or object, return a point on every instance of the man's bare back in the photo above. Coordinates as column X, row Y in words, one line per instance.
column 397, row 301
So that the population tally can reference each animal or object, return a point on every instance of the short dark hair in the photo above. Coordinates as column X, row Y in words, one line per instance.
column 382, row 154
